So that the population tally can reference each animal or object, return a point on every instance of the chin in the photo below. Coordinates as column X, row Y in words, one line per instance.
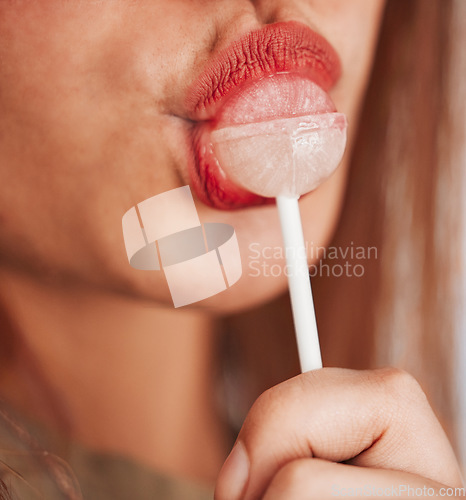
column 248, row 292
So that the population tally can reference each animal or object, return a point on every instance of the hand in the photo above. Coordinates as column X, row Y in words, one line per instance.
column 323, row 432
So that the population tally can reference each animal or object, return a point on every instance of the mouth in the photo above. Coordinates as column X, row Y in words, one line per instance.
column 280, row 71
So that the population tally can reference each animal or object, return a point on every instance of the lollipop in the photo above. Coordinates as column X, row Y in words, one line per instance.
column 284, row 157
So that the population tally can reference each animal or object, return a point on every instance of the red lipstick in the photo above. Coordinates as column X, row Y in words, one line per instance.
column 285, row 47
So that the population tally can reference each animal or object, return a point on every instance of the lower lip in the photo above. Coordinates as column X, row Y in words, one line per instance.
column 282, row 95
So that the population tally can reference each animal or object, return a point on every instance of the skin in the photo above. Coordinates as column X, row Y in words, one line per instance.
column 378, row 423
column 93, row 112
column 92, row 119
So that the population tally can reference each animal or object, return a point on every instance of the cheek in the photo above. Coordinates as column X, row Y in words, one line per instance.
column 75, row 154
column 353, row 29
column 82, row 139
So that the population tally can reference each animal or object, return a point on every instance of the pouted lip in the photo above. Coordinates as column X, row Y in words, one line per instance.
column 280, row 47
column 276, row 48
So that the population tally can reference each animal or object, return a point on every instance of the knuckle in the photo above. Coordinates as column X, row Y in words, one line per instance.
column 272, row 402
column 261, row 412
column 270, row 413
column 400, row 386
column 262, row 404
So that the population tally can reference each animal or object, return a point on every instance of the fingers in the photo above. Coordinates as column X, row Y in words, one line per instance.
column 318, row 479
column 376, row 418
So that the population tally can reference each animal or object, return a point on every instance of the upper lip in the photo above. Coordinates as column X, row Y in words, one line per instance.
column 280, row 47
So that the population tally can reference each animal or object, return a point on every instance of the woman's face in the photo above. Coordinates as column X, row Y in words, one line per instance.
column 94, row 119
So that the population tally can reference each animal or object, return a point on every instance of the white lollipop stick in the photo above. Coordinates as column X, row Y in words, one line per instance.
column 299, row 284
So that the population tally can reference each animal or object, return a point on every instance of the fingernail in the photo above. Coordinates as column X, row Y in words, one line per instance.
column 233, row 477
